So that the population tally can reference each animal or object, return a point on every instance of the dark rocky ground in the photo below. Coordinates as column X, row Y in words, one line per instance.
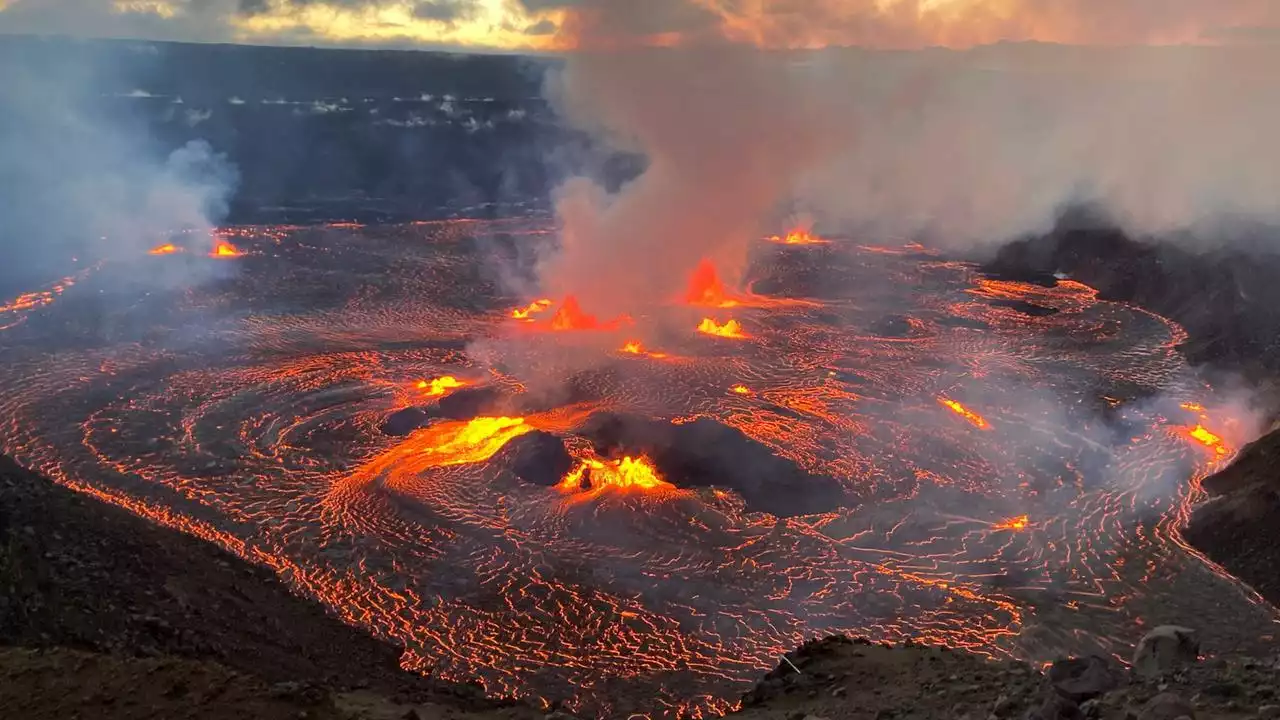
column 1225, row 296
column 1239, row 526
column 99, row 598
column 103, row 615
column 843, row 679
column 1228, row 300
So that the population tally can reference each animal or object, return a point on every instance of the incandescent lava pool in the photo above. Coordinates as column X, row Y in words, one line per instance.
column 883, row 442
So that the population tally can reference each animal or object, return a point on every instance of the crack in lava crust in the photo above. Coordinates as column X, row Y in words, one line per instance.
column 1027, row 533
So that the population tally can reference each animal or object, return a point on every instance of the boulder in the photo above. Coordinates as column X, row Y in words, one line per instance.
column 403, row 422
column 1165, row 649
column 1081, row 679
column 1056, row 707
column 1167, row 706
column 538, row 458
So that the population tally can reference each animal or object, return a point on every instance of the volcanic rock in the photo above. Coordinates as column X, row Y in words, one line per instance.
column 706, row 453
column 1026, row 308
column 1080, row 679
column 1165, row 649
column 538, row 458
column 403, row 422
column 1225, row 297
column 892, row 326
column 1245, row 507
column 469, row 403
column 1056, row 707
column 1167, row 706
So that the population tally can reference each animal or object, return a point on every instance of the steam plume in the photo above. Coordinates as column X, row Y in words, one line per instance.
column 722, row 152
column 968, row 147
column 83, row 180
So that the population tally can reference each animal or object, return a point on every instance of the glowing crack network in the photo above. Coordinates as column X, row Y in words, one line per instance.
column 992, row 498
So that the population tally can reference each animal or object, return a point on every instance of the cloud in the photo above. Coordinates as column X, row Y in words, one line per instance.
column 918, row 23
column 357, row 23
column 542, row 27
column 765, row 23
column 968, row 147
column 191, row 20
column 448, row 11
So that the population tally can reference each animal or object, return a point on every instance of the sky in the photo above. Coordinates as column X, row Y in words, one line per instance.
column 534, row 25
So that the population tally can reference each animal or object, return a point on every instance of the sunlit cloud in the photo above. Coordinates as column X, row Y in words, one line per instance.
column 810, row 24
column 159, row 8
column 562, row 24
column 480, row 24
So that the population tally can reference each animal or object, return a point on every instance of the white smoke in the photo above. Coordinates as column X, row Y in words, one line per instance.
column 83, row 180
column 967, row 148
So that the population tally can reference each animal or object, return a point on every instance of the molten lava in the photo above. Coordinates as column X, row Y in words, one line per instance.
column 1202, row 435
column 165, row 249
column 629, row 473
column 646, row 597
column 570, row 316
column 531, row 309
column 975, row 419
column 1014, row 523
column 731, row 329
column 706, row 289
column 224, row 249
column 799, row 237
column 437, row 387
column 462, row 442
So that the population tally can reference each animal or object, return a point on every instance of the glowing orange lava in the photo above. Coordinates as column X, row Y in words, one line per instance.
column 731, row 329
column 706, row 289
column 740, row 389
column 165, row 249
column 629, row 473
column 798, row 237
column 532, row 308
column 1193, row 407
column 1202, row 435
column 635, row 347
column 462, row 442
column 977, row 420
column 224, row 249
column 439, row 386
column 1014, row 523
column 570, row 316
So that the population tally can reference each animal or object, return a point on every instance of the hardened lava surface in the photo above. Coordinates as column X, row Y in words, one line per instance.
column 1004, row 465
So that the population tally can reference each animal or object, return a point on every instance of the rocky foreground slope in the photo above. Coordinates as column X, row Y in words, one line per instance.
column 1239, row 527
column 103, row 615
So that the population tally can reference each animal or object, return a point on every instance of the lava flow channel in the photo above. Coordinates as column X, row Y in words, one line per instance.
column 632, row 589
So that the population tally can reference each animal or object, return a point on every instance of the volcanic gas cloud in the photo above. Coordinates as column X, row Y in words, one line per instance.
column 963, row 147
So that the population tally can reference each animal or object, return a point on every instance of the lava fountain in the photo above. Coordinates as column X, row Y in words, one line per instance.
column 223, row 249
column 730, row 329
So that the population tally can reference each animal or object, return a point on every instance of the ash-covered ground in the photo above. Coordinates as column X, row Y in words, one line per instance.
column 886, row 444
